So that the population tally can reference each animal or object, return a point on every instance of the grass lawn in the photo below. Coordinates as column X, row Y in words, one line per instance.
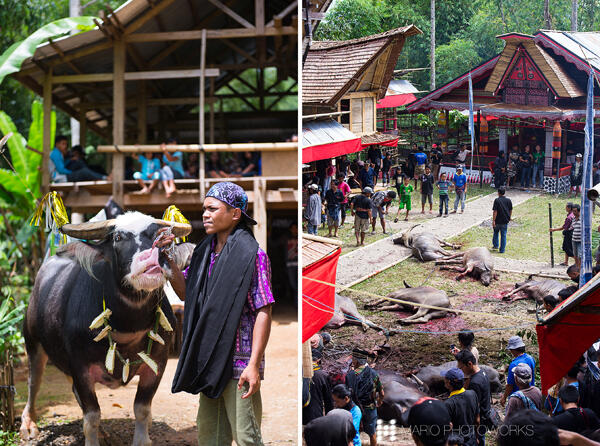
column 346, row 233
column 528, row 239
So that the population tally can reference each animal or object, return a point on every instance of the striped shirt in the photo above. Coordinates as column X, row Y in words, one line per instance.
column 576, row 227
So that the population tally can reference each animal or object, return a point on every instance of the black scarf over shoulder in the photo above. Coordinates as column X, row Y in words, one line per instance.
column 213, row 307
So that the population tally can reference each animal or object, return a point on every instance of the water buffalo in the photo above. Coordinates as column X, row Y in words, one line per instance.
column 425, row 246
column 419, row 295
column 347, row 313
column 431, row 376
column 66, row 321
column 476, row 262
column 398, row 397
column 536, row 289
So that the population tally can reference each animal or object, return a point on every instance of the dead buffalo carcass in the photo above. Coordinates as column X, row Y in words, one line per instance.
column 425, row 246
column 536, row 289
column 431, row 376
column 400, row 394
column 418, row 295
column 476, row 262
column 347, row 313
column 67, row 322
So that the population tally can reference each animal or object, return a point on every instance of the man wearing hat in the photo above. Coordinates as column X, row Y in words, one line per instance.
column 367, row 391
column 429, row 422
column 462, row 406
column 361, row 211
column 312, row 213
column 227, row 322
column 527, row 396
column 460, row 187
column 516, row 347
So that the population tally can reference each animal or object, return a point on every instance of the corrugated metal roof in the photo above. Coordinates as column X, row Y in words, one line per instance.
column 584, row 46
column 400, row 86
column 316, row 133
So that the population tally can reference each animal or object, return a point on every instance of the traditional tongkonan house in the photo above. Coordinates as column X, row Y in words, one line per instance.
column 535, row 86
column 342, row 82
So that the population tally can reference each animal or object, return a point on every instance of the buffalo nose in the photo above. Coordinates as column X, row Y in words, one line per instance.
column 149, row 255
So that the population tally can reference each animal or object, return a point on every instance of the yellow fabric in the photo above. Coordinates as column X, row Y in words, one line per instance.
column 174, row 214
column 56, row 214
column 457, row 392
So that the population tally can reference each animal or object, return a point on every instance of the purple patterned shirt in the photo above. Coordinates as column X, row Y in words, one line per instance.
column 259, row 295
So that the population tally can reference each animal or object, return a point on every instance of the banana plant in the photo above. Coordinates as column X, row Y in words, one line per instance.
column 12, row 59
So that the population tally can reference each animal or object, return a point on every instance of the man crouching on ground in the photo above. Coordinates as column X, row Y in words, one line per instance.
column 227, row 322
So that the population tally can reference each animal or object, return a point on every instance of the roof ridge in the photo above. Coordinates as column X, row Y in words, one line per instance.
column 329, row 44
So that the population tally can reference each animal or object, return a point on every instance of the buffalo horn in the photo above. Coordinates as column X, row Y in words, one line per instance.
column 96, row 230
column 179, row 229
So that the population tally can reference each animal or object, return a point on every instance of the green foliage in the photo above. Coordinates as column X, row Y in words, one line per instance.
column 9, row 438
column 424, row 121
column 457, row 119
column 13, row 57
column 447, row 64
column 11, row 315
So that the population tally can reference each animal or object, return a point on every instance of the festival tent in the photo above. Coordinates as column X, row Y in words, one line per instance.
column 325, row 139
column 567, row 332
column 319, row 262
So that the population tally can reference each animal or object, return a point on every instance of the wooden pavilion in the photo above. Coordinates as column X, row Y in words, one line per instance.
column 159, row 68
column 536, row 81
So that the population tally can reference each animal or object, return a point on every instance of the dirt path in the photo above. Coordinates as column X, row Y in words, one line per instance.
column 173, row 416
column 364, row 262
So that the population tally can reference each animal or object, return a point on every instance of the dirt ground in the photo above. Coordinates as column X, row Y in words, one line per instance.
column 173, row 416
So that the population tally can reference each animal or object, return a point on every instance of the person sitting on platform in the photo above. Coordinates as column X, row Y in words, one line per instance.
column 249, row 164
column 150, row 171
column 214, row 168
column 59, row 173
column 172, row 167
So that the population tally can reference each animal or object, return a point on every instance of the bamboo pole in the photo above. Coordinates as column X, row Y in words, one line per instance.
column 201, row 116
column 118, row 170
column 307, row 368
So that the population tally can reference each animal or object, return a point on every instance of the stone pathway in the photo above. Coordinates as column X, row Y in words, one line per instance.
column 365, row 262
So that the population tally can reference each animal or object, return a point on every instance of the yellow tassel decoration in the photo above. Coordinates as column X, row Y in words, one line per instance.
column 174, row 214
column 56, row 214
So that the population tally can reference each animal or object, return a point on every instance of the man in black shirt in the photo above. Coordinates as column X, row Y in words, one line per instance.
column 574, row 418
column 427, row 182
column 333, row 199
column 436, row 156
column 361, row 211
column 480, row 384
column 462, row 406
column 502, row 213
column 320, row 401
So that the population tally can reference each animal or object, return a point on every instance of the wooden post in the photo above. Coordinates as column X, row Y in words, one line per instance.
column 201, row 115
column 141, row 111
column 82, row 126
column 118, row 170
column 307, row 367
column 48, row 144
column 259, row 212
column 211, row 117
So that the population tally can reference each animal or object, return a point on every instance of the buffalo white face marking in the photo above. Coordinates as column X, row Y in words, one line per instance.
column 134, row 222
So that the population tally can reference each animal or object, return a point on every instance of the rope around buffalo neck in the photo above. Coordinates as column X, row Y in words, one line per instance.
column 109, row 362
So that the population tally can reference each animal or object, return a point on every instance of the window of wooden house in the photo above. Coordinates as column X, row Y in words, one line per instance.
column 369, row 115
column 356, row 115
column 345, row 118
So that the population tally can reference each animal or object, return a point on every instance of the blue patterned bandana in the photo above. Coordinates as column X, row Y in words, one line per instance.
column 233, row 195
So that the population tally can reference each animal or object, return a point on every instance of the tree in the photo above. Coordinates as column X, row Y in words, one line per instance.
column 432, row 49
column 574, row 15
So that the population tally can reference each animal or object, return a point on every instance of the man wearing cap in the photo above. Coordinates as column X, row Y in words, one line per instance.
column 367, row 391
column 462, row 406
column 312, row 213
column 379, row 201
column 516, row 347
column 227, row 322
column 527, row 396
column 460, row 187
column 429, row 422
column 361, row 211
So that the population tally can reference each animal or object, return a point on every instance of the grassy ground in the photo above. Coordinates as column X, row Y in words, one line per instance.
column 528, row 239
column 346, row 233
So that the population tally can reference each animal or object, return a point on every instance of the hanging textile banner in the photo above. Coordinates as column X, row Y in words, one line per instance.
column 441, row 130
column 556, row 140
column 483, row 136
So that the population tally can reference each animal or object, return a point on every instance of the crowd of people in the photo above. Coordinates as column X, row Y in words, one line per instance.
column 335, row 413
column 150, row 169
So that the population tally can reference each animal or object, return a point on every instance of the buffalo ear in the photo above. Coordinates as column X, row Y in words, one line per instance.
column 406, row 284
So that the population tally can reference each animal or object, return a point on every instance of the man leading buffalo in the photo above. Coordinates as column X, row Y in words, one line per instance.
column 227, row 321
